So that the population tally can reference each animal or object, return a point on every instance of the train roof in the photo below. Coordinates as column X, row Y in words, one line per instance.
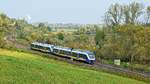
column 73, row 50
column 82, row 51
column 42, row 44
column 64, row 48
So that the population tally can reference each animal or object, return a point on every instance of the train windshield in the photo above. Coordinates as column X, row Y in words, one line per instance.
column 91, row 54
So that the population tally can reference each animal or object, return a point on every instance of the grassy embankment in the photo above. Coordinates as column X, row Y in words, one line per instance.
column 24, row 68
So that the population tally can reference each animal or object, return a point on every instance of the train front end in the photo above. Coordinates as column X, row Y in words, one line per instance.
column 91, row 57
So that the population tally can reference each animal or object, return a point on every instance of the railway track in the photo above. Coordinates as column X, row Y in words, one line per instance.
column 99, row 66
column 123, row 70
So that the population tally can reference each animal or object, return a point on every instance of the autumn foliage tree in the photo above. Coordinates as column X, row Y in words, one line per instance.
column 129, row 43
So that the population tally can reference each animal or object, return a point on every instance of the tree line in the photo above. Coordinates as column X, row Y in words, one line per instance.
column 124, row 36
column 133, row 13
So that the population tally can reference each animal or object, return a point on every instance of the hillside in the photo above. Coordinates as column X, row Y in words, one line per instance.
column 24, row 68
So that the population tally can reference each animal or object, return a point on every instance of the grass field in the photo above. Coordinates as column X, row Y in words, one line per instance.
column 23, row 68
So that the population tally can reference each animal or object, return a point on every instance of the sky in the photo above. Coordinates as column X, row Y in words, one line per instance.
column 61, row 11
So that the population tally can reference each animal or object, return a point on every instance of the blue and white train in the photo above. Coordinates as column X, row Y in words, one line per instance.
column 76, row 54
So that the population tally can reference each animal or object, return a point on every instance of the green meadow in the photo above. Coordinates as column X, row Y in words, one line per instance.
column 24, row 68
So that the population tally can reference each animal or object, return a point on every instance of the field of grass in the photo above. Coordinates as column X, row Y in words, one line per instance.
column 24, row 68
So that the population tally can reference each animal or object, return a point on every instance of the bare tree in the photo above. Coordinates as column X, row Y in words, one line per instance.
column 107, row 20
column 114, row 15
column 147, row 16
column 126, row 12
column 132, row 12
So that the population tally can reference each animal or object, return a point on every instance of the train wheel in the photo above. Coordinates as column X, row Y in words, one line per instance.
column 91, row 62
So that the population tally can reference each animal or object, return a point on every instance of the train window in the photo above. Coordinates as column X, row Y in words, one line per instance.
column 74, row 54
column 37, row 46
column 40, row 47
column 68, row 53
column 61, row 52
column 56, row 50
column 82, row 56
column 65, row 52
column 46, row 48
column 32, row 45
column 43, row 47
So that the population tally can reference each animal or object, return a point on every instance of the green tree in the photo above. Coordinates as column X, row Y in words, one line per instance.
column 99, row 38
column 49, row 29
column 128, row 43
column 41, row 25
column 60, row 36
